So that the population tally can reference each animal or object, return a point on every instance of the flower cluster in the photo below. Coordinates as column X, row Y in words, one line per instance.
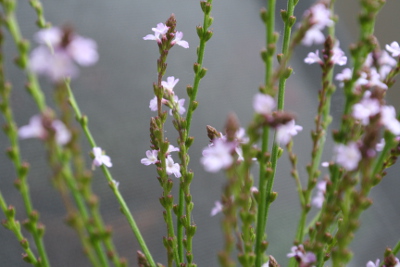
column 320, row 17
column 36, row 129
column 58, row 52
column 305, row 259
column 160, row 32
column 264, row 105
column 171, row 166
column 174, row 102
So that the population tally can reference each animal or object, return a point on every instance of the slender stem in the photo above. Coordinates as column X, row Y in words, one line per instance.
column 125, row 210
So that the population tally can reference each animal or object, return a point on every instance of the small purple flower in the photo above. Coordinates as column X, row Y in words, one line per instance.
column 151, row 157
column 371, row 264
column 217, row 156
column 318, row 200
column 170, row 83
column 285, row 132
column 100, row 158
column 172, row 167
column 393, row 48
column 217, row 208
column 313, row 58
column 263, row 104
column 35, row 129
column 366, row 108
column 389, row 120
column 179, row 105
column 347, row 156
column 161, row 29
column 178, row 40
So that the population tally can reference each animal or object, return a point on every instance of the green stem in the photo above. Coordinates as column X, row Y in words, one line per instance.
column 125, row 210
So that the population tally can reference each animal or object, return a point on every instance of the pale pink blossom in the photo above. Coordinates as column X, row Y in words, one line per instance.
column 372, row 264
column 217, row 156
column 172, row 167
column 389, row 119
column 338, row 56
column 394, row 49
column 345, row 75
column 313, row 58
column 100, row 158
column 154, row 104
column 170, row 83
column 318, row 200
column 348, row 156
column 314, row 35
column 263, row 104
column 325, row 164
column 178, row 105
column 304, row 258
column 151, row 157
column 321, row 16
column 178, row 40
column 285, row 132
column 171, row 148
column 366, row 108
column 161, row 29
column 35, row 129
column 376, row 80
column 55, row 59
column 217, row 208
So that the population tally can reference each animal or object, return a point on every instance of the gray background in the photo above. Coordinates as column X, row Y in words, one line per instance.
column 115, row 94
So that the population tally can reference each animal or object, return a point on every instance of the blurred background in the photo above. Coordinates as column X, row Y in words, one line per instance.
column 115, row 94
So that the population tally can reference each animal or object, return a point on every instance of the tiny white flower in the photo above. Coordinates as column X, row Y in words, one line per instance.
column 151, row 157
column 116, row 183
column 389, row 120
column 217, row 208
column 313, row 58
column 153, row 104
column 265, row 264
column 161, row 29
column 170, row 83
column 325, row 164
column 178, row 40
column 217, row 156
column 178, row 104
column 375, row 79
column 172, row 167
column 347, row 156
column 321, row 16
column 171, row 148
column 263, row 104
column 100, row 158
column 285, row 132
column 393, row 48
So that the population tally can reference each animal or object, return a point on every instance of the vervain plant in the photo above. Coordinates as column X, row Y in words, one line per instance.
column 367, row 142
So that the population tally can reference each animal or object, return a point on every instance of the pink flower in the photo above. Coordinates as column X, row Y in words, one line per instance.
column 318, row 200
column 217, row 156
column 171, row 148
column 217, row 208
column 313, row 36
column 55, row 57
column 35, row 129
column 161, row 29
column 151, row 157
column 366, row 108
column 285, row 132
column 263, row 104
column 379, row 146
column 371, row 264
column 100, row 158
column 345, row 75
column 178, row 40
column 389, row 120
column 313, row 58
column 338, row 56
column 172, row 167
column 348, row 156
column 170, row 83
column 321, row 16
column 393, row 48
column 178, row 105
